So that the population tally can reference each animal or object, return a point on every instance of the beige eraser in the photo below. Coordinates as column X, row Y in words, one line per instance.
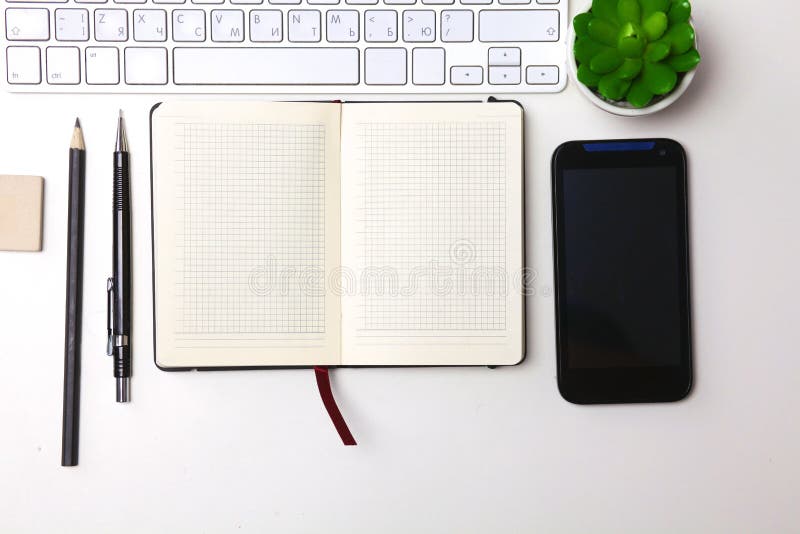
column 21, row 212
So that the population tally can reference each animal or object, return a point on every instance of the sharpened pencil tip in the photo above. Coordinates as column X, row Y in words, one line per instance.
column 77, row 122
column 122, row 139
column 77, row 137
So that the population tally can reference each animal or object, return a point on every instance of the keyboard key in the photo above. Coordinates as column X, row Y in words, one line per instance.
column 247, row 2
column 524, row 25
column 90, row 1
column 130, row 1
column 466, row 75
column 266, row 26
column 328, row 2
column 208, row 1
column 37, row 1
column 362, row 2
column 457, row 26
column 439, row 2
column 547, row 1
column 399, row 2
column 419, row 26
column 23, row 65
column 146, row 66
column 110, row 25
column 514, row 1
column 476, row 2
column 281, row 66
column 541, row 75
column 504, row 75
column 149, row 25
column 63, row 65
column 504, row 56
column 305, row 26
column 72, row 24
column 286, row 2
column 227, row 25
column 342, row 26
column 24, row 24
column 102, row 65
column 380, row 26
column 427, row 66
column 169, row 1
column 188, row 25
column 385, row 66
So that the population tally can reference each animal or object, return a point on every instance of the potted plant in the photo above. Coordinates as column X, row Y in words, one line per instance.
column 633, row 57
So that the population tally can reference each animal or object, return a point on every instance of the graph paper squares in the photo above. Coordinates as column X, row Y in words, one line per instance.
column 251, row 229
column 433, row 226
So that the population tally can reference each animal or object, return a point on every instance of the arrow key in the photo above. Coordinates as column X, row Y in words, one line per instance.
column 504, row 57
column 466, row 75
column 541, row 75
column 504, row 75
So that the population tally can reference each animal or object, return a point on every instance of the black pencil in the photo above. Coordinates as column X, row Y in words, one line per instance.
column 72, row 343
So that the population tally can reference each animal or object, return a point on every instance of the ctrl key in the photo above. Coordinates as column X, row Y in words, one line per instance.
column 63, row 65
column 23, row 65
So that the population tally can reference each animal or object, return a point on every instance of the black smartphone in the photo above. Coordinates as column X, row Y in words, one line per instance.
column 621, row 252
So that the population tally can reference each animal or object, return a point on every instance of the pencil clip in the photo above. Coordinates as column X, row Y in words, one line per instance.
column 109, row 315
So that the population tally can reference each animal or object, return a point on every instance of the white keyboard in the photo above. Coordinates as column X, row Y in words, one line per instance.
column 280, row 46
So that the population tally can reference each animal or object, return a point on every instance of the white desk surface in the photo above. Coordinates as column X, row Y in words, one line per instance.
column 440, row 450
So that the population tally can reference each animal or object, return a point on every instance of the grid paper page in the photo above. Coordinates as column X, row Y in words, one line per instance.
column 432, row 234
column 433, row 225
column 246, row 204
column 251, row 229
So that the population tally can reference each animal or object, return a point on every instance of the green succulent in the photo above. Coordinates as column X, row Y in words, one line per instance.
column 634, row 50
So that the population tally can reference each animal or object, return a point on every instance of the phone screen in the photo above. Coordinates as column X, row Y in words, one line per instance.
column 621, row 267
column 620, row 231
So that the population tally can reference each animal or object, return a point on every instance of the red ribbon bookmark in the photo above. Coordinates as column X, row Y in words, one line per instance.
column 324, row 385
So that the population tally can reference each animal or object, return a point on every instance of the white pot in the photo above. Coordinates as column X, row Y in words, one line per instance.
column 622, row 108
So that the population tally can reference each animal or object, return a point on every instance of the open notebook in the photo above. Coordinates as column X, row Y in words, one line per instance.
column 364, row 234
